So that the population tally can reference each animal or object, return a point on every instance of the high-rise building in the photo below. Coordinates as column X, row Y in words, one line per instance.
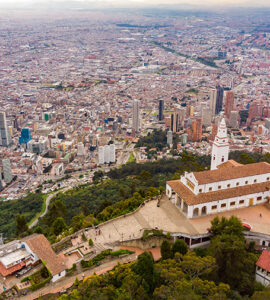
column 184, row 139
column 229, row 103
column 213, row 99
column 38, row 146
column 7, row 170
column 25, row 136
column 206, row 116
column 81, row 150
column 219, row 99
column 196, row 126
column 106, row 154
column 15, row 123
column 112, row 153
column 233, row 121
column 169, row 137
column 267, row 123
column 175, row 121
column 216, row 100
column 135, row 115
column 160, row 110
column 101, row 155
column 254, row 111
column 5, row 138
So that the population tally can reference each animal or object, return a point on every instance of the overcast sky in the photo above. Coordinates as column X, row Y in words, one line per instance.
column 257, row 3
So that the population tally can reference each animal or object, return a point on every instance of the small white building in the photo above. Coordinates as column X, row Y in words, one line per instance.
column 263, row 268
column 227, row 186
column 58, row 169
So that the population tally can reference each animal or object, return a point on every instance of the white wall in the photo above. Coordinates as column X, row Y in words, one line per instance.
column 262, row 277
column 237, row 205
column 58, row 276
column 34, row 257
column 233, row 182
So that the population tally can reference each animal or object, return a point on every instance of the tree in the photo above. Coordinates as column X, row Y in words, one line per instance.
column 38, row 230
column 84, row 209
column 231, row 226
column 98, row 176
column 145, row 175
column 145, row 268
column 90, row 242
column 77, row 223
column 236, row 266
column 21, row 224
column 195, row 266
column 169, row 271
column 59, row 226
column 56, row 210
column 179, row 246
column 165, row 250
column 261, row 295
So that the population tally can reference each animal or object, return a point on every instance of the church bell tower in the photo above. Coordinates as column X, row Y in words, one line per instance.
column 220, row 148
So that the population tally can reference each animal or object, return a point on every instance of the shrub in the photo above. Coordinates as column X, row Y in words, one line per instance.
column 166, row 250
column 179, row 246
column 121, row 252
column 84, row 237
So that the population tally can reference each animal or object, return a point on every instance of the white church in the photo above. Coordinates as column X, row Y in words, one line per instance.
column 227, row 186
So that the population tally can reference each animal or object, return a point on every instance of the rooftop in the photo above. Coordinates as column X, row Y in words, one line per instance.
column 13, row 257
column 192, row 199
column 264, row 260
column 41, row 246
column 232, row 171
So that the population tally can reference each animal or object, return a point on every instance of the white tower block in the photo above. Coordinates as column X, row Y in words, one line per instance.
column 220, row 148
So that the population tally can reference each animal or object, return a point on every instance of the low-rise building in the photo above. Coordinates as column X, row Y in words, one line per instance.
column 263, row 268
column 30, row 251
column 227, row 186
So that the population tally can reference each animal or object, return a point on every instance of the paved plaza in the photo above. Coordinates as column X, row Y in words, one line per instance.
column 168, row 218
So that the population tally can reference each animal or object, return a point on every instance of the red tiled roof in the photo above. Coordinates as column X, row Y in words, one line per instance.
column 191, row 199
column 264, row 261
column 232, row 172
column 41, row 246
column 5, row 272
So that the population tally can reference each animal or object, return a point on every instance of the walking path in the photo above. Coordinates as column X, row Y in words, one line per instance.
column 67, row 282
column 49, row 198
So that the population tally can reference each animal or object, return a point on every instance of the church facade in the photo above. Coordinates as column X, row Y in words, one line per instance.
column 227, row 186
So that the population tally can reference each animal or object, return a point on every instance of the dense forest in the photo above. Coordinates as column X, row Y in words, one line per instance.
column 225, row 270
column 28, row 206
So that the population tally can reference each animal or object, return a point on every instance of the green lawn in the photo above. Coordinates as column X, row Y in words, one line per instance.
column 131, row 158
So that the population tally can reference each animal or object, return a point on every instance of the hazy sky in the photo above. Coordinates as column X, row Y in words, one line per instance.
column 149, row 2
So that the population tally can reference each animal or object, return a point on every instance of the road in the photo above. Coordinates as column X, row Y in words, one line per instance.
column 67, row 282
column 47, row 205
column 122, row 160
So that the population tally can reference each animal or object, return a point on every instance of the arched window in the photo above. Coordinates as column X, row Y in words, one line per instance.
column 214, row 157
column 204, row 210
column 195, row 212
column 222, row 159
